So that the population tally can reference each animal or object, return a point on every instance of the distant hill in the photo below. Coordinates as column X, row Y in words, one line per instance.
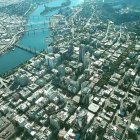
column 110, row 7
column 132, row 2
column 4, row 3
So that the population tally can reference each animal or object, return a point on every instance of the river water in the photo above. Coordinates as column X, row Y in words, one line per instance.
column 35, row 40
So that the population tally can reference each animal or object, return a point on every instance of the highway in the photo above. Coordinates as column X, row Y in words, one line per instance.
column 108, row 27
column 2, row 83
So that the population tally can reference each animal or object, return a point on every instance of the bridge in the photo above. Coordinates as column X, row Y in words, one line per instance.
column 35, row 29
column 45, row 16
column 14, row 38
column 28, row 49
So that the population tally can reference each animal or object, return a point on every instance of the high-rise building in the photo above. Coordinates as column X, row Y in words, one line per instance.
column 61, row 70
column 86, row 60
column 57, row 58
column 47, row 60
column 81, row 52
column 50, row 49
column 51, row 62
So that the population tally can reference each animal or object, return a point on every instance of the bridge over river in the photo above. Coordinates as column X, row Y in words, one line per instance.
column 26, row 48
column 13, row 40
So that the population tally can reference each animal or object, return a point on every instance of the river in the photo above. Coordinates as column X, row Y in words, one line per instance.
column 35, row 40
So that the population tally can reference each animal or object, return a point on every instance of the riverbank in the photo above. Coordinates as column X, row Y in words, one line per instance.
column 51, row 9
column 43, row 1
column 8, row 30
column 12, row 28
column 14, row 59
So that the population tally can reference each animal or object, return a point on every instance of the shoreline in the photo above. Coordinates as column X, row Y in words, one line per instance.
column 18, row 35
column 13, row 70
column 51, row 9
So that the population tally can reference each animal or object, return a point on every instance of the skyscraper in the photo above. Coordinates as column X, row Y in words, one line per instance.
column 81, row 52
column 86, row 60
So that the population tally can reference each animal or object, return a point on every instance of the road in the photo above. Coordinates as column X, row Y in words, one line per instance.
column 2, row 83
column 108, row 27
column 88, row 22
